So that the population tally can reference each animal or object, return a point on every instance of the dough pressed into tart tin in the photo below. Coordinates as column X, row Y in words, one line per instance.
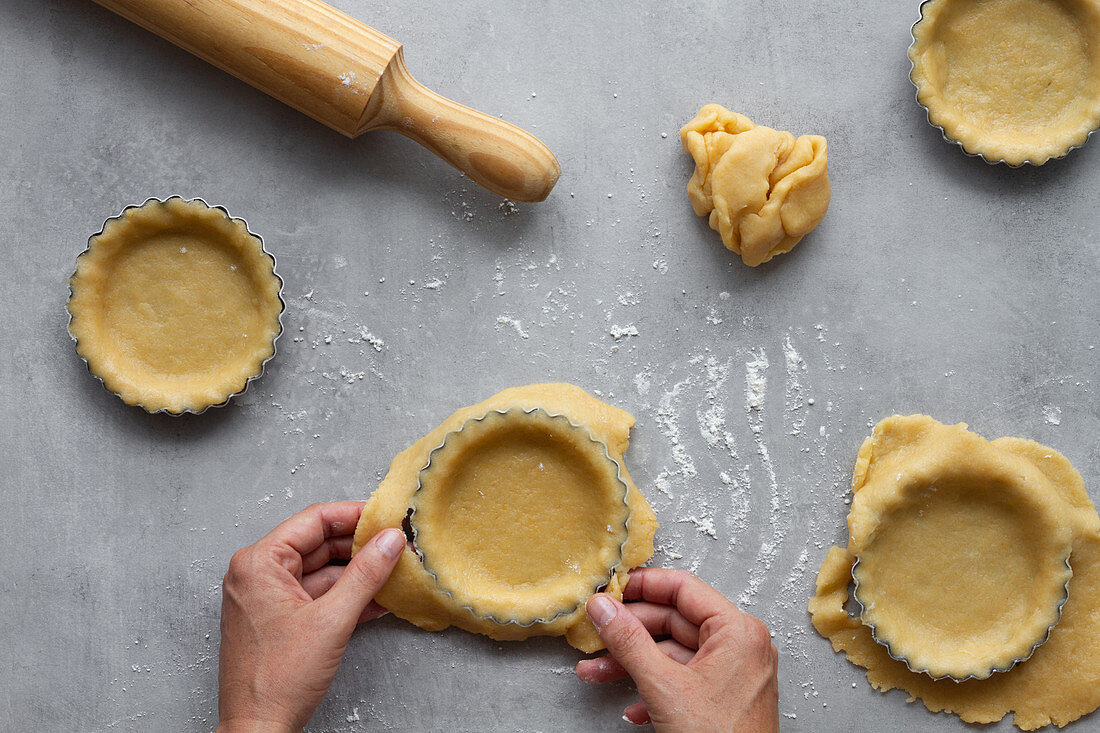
column 1058, row 683
column 1012, row 81
column 520, row 515
column 175, row 305
column 417, row 595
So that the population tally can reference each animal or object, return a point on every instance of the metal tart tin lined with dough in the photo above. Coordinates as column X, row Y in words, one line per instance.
column 488, row 419
column 943, row 133
column 263, row 248
column 994, row 670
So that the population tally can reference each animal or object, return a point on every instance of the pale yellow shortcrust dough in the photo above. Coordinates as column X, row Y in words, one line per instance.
column 1011, row 80
column 175, row 305
column 516, row 542
column 762, row 189
column 1061, row 681
column 526, row 476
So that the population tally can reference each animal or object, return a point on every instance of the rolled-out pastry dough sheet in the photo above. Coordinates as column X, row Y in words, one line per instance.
column 413, row 594
column 962, row 554
column 1061, row 681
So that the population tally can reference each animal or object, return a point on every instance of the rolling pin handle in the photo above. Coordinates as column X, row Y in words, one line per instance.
column 505, row 159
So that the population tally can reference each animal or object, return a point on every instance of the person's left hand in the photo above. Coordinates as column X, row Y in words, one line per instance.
column 287, row 615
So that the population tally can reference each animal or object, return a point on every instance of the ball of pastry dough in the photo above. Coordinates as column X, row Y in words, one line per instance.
column 763, row 189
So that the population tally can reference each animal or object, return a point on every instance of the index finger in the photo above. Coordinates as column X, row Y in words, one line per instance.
column 308, row 529
column 694, row 599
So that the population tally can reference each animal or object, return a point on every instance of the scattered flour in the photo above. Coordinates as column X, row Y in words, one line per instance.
column 712, row 421
column 704, row 524
column 627, row 297
column 366, row 336
column 668, row 424
column 516, row 325
column 620, row 332
column 794, row 398
column 756, row 380
column 790, row 585
column 643, row 380
column 755, row 393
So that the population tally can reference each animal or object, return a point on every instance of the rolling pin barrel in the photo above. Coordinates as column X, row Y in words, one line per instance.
column 349, row 77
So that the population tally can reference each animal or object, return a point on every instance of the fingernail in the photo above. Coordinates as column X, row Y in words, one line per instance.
column 601, row 610
column 391, row 542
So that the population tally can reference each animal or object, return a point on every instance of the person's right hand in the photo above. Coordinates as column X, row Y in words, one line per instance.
column 717, row 672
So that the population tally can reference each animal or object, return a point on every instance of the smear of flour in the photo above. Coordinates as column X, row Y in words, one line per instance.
column 794, row 399
column 515, row 323
column 669, row 425
column 737, row 520
column 756, row 380
column 790, row 585
column 712, row 421
column 705, row 524
column 756, row 383
column 1052, row 414
column 643, row 380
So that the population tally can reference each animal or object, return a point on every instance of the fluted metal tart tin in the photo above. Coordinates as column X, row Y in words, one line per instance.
column 498, row 414
column 943, row 133
column 889, row 650
column 263, row 247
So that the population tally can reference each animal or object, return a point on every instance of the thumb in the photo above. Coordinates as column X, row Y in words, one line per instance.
column 627, row 639
column 365, row 575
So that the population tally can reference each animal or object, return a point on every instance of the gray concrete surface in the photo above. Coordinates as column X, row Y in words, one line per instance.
column 936, row 284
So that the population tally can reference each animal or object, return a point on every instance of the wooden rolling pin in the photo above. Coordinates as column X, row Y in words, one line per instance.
column 350, row 77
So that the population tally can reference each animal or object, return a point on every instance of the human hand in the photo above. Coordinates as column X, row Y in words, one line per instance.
column 287, row 615
column 717, row 672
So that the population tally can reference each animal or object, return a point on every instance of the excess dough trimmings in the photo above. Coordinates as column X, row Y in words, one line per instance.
column 175, row 305
column 964, row 543
column 762, row 189
column 1011, row 80
column 521, row 509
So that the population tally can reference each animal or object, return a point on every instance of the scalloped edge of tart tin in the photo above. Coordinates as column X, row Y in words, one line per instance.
column 618, row 478
column 943, row 133
column 994, row 670
column 263, row 248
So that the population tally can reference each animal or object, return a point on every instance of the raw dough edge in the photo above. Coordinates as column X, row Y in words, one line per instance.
column 412, row 594
column 1058, row 685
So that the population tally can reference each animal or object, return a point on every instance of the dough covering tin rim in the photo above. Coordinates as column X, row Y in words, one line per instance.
column 943, row 132
column 263, row 248
column 994, row 670
column 553, row 416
